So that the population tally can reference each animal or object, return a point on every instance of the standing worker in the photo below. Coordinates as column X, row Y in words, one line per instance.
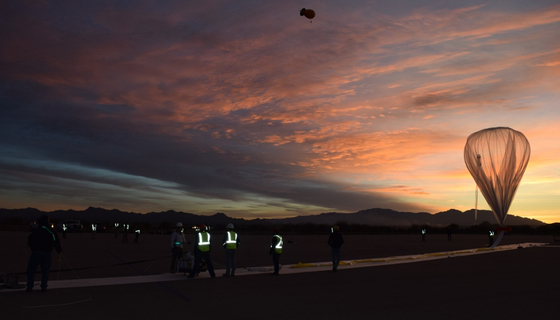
column 125, row 228
column 116, row 230
column 136, row 233
column 276, row 245
column 64, row 228
column 41, row 241
column 177, row 241
column 93, row 229
column 423, row 234
column 202, row 247
column 230, row 242
column 335, row 241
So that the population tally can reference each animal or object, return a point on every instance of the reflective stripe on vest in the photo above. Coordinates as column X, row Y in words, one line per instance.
column 52, row 234
column 279, row 244
column 231, row 242
column 204, row 241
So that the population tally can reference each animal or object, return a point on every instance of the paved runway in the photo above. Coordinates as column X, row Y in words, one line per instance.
column 507, row 283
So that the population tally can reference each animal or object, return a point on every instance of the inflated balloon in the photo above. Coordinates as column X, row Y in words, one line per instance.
column 308, row 13
column 497, row 159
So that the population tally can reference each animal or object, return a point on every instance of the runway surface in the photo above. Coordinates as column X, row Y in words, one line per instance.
column 506, row 283
column 415, row 280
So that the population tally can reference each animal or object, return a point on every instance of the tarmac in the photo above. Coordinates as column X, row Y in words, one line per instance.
column 515, row 281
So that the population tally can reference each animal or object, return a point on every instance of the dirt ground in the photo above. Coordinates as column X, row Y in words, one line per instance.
column 516, row 284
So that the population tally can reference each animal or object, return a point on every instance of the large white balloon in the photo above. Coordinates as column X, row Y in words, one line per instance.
column 497, row 159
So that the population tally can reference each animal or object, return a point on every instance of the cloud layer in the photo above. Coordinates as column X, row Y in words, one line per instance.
column 247, row 108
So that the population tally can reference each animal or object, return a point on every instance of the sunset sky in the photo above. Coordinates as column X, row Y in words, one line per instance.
column 247, row 108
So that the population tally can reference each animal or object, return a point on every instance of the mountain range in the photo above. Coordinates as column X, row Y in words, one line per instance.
column 376, row 216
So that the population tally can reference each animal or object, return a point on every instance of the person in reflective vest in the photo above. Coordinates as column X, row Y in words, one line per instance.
column 230, row 243
column 93, row 229
column 41, row 241
column 177, row 241
column 125, row 228
column 276, row 245
column 202, row 249
column 136, row 233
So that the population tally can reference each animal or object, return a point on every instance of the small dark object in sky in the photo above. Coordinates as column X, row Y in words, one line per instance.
column 308, row 13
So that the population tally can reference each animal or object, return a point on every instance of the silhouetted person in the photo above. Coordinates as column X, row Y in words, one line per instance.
column 230, row 243
column 335, row 241
column 202, row 248
column 490, row 238
column 448, row 234
column 125, row 228
column 41, row 241
column 136, row 233
column 64, row 228
column 423, row 234
column 93, row 229
column 117, row 230
column 276, row 245
column 177, row 241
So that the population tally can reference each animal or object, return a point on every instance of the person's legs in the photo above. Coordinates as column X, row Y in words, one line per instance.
column 177, row 253
column 45, row 268
column 233, row 262
column 31, row 269
column 197, row 259
column 209, row 265
column 276, row 260
column 335, row 258
column 228, row 262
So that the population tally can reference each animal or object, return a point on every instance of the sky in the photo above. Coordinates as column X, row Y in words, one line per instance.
column 247, row 108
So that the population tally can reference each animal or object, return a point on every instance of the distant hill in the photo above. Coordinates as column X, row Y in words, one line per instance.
column 377, row 217
column 388, row 217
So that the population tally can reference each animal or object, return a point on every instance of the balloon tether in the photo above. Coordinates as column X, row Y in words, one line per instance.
column 475, row 204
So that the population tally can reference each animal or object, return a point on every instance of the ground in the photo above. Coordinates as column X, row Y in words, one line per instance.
column 514, row 284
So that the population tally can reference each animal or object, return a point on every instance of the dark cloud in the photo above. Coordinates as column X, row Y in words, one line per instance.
column 228, row 100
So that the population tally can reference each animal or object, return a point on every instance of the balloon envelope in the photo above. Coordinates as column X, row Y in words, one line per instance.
column 497, row 159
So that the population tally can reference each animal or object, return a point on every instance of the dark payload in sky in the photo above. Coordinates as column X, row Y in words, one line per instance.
column 308, row 13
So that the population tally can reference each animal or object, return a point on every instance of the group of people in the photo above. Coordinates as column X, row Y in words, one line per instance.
column 202, row 248
column 124, row 229
column 43, row 239
column 230, row 242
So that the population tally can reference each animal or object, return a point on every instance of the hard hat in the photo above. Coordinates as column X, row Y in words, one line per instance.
column 179, row 224
column 229, row 226
column 202, row 227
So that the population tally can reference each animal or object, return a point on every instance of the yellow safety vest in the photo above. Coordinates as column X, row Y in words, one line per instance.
column 231, row 242
column 279, row 244
column 204, row 241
